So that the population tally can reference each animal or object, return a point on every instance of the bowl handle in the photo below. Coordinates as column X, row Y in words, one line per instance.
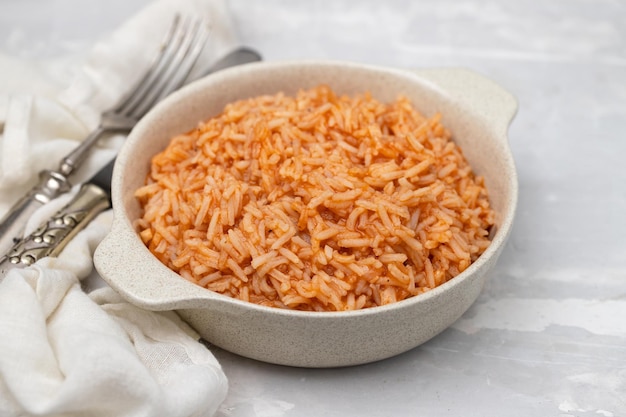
column 120, row 259
column 475, row 92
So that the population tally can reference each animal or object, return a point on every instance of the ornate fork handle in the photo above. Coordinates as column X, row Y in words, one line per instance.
column 51, row 237
column 51, row 185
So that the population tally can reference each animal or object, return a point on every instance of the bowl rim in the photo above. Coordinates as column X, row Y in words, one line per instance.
column 122, row 220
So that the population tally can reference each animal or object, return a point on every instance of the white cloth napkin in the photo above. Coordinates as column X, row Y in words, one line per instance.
column 64, row 351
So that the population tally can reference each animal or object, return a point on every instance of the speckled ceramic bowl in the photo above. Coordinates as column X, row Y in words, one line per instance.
column 476, row 110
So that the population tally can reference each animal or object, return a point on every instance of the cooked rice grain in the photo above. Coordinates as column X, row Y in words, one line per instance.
column 315, row 202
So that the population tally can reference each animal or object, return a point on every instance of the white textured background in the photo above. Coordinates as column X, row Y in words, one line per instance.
column 548, row 335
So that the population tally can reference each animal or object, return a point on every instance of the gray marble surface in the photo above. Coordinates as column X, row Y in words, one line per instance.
column 548, row 335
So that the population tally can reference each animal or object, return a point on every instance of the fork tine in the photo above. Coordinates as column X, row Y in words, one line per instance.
column 194, row 51
column 173, row 77
column 135, row 94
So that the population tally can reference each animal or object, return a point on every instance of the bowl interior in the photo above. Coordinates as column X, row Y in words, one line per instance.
column 182, row 111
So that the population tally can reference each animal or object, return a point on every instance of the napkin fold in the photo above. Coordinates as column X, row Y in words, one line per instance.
column 64, row 350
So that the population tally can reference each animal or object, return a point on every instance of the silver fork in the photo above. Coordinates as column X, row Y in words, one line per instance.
column 168, row 72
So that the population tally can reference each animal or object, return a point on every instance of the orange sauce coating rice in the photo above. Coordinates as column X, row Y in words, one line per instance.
column 315, row 202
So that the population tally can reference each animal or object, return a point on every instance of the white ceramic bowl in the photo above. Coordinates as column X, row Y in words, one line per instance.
column 477, row 112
